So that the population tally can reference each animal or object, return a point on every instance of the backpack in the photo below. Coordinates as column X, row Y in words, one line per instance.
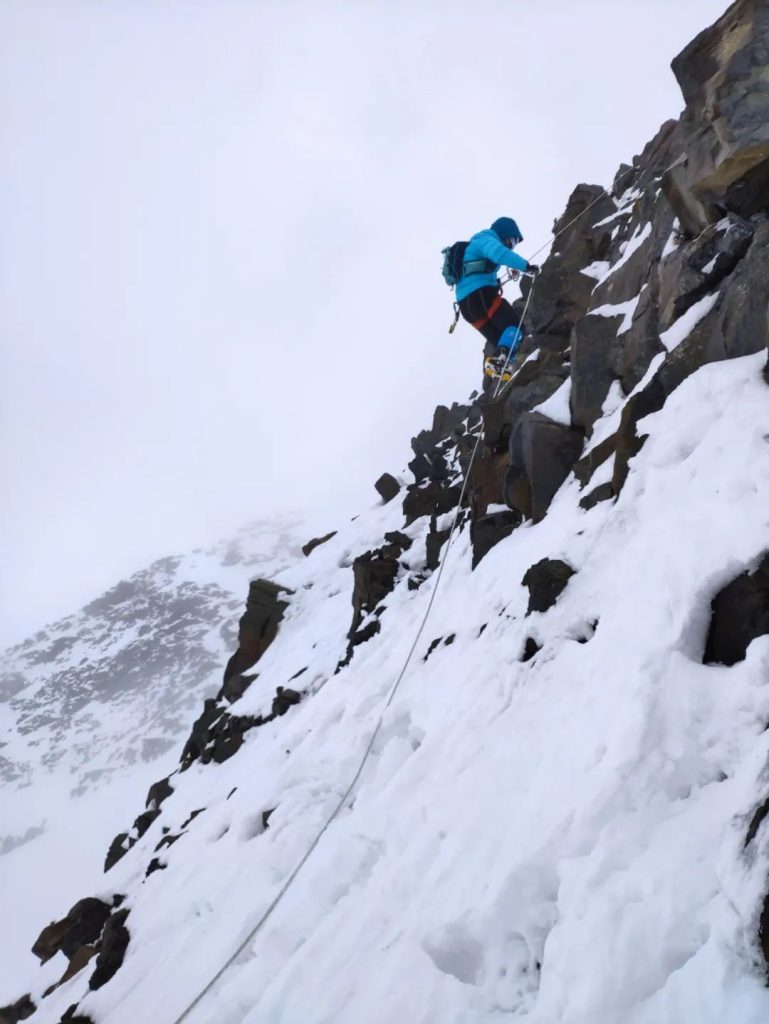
column 453, row 263
column 455, row 268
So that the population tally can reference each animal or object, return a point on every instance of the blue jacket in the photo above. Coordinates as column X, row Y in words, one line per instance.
column 487, row 245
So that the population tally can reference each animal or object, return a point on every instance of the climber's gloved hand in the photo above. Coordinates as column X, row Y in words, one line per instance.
column 533, row 269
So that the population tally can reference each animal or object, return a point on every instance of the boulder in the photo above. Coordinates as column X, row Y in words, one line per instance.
column 374, row 576
column 603, row 492
column 125, row 841
column 487, row 479
column 487, row 531
column 433, row 545
column 388, row 487
column 545, row 581
column 71, row 1016
column 542, row 453
column 284, row 699
column 216, row 735
column 258, row 626
column 309, row 547
column 20, row 1010
column 724, row 129
column 739, row 614
column 82, row 925
column 157, row 793
column 114, row 943
column 431, row 499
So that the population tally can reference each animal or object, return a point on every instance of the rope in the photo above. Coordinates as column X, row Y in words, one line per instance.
column 604, row 192
column 391, row 695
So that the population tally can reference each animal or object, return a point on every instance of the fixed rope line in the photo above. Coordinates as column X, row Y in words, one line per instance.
column 391, row 695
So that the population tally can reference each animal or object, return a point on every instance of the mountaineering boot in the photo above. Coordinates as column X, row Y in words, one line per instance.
column 495, row 367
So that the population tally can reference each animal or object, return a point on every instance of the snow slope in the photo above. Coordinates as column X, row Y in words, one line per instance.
column 558, row 839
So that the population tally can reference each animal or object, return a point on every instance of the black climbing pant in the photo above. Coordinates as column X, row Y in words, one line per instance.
column 487, row 311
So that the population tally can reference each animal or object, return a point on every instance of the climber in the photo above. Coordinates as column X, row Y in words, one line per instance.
column 479, row 295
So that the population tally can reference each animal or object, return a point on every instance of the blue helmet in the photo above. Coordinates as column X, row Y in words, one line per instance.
column 506, row 228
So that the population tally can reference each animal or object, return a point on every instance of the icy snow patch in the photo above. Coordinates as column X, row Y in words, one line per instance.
column 556, row 407
column 672, row 244
column 624, row 309
column 684, row 325
column 631, row 246
column 597, row 270
column 623, row 212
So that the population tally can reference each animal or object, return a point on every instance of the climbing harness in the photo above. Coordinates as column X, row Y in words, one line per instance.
column 496, row 302
column 390, row 697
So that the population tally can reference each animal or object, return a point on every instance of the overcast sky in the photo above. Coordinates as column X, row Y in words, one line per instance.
column 220, row 235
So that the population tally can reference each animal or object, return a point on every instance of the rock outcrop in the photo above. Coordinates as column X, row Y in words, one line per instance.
column 258, row 626
column 723, row 135
column 739, row 614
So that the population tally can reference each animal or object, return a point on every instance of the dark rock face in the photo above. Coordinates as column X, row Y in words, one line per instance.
column 489, row 530
column 431, row 446
column 387, row 487
column 309, row 547
column 258, row 626
column 542, row 454
column 374, row 575
column 433, row 545
column 71, row 1016
column 545, row 581
column 604, row 492
column 724, row 130
column 562, row 293
column 487, row 479
column 20, row 1010
column 636, row 347
column 123, row 842
column 531, row 649
column 763, row 930
column 739, row 614
column 114, row 943
column 82, row 925
column 696, row 267
column 431, row 499
column 158, row 792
